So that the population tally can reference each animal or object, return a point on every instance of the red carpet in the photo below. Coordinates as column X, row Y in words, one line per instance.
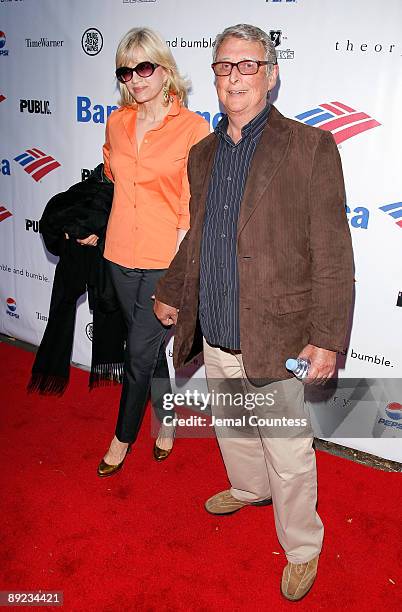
column 142, row 541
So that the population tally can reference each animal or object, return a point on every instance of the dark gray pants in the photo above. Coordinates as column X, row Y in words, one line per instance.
column 145, row 358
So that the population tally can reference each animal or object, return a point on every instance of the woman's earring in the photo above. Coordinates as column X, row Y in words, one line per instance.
column 165, row 92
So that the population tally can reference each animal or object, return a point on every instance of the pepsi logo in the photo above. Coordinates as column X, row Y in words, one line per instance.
column 11, row 304
column 393, row 410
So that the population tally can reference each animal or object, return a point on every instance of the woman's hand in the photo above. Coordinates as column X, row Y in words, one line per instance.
column 92, row 240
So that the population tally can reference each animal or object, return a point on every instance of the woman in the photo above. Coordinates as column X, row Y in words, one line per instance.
column 147, row 144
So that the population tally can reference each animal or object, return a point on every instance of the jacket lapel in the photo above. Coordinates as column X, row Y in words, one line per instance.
column 268, row 157
column 201, row 173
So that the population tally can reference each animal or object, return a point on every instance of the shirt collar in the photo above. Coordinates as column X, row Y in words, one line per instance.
column 253, row 127
column 175, row 108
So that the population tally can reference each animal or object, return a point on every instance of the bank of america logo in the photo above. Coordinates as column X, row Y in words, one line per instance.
column 342, row 121
column 4, row 213
column 36, row 163
column 2, row 98
column 394, row 211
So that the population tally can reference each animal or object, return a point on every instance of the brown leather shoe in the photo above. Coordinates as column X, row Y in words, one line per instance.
column 224, row 503
column 298, row 578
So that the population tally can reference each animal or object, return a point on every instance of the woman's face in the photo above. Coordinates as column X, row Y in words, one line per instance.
column 145, row 89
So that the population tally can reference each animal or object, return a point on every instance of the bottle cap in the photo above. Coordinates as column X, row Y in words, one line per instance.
column 291, row 364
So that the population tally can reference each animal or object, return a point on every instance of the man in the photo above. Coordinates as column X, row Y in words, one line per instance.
column 267, row 271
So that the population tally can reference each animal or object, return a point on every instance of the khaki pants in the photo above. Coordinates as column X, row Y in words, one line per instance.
column 265, row 461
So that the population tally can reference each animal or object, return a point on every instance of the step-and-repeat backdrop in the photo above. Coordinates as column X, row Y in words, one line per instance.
column 340, row 70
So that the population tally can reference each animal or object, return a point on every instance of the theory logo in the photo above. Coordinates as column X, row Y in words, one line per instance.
column 36, row 163
column 4, row 213
column 39, row 107
column 342, row 121
column 366, row 47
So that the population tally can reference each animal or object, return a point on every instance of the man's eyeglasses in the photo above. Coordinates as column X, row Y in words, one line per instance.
column 244, row 67
column 143, row 69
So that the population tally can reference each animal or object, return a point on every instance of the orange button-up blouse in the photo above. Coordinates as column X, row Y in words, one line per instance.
column 151, row 191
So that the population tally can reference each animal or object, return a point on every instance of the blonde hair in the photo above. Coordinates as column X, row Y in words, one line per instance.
column 157, row 52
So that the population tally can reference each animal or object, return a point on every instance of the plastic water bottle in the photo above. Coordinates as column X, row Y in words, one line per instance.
column 299, row 367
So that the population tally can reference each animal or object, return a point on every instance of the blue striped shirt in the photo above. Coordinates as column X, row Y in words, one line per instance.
column 219, row 277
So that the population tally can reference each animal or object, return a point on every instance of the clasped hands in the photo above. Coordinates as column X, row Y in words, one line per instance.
column 323, row 361
column 166, row 314
column 91, row 240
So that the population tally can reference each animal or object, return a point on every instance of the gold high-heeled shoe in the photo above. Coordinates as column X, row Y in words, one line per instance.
column 160, row 454
column 104, row 469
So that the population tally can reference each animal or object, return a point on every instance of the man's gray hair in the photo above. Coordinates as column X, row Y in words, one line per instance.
column 251, row 33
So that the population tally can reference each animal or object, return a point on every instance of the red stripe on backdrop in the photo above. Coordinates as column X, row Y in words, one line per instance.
column 38, row 163
column 34, row 153
column 39, row 151
column 336, row 123
column 4, row 215
column 354, row 130
column 43, row 171
column 349, row 109
column 333, row 109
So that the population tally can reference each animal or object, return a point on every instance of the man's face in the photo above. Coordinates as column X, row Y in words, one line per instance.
column 243, row 94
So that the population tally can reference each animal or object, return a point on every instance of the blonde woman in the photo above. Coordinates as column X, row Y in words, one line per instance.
column 148, row 140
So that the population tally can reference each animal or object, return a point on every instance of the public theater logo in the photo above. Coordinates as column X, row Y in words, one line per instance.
column 3, row 51
column 36, row 163
column 38, row 107
column 32, row 225
column 92, row 41
column 4, row 213
column 341, row 120
column 11, row 305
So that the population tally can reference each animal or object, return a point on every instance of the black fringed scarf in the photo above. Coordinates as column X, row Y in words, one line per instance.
column 80, row 211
